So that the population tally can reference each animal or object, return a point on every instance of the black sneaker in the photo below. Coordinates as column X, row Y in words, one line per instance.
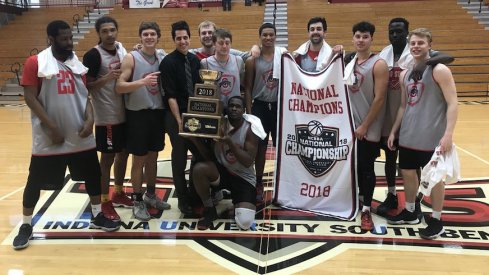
column 389, row 203
column 185, row 208
column 405, row 217
column 101, row 222
column 417, row 210
column 22, row 239
column 433, row 230
column 209, row 215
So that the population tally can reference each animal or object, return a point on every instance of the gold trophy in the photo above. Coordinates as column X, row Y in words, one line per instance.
column 204, row 117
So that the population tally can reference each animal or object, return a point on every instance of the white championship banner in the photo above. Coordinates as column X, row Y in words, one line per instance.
column 315, row 160
column 144, row 4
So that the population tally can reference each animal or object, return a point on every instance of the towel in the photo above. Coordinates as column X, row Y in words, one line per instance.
column 121, row 51
column 256, row 126
column 47, row 64
column 442, row 167
column 323, row 57
column 349, row 77
column 277, row 58
column 406, row 61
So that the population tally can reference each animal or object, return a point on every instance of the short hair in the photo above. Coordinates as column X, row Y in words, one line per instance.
column 400, row 20
column 267, row 26
column 149, row 25
column 103, row 20
column 223, row 34
column 206, row 23
column 422, row 32
column 315, row 20
column 179, row 26
column 364, row 26
column 238, row 97
column 55, row 26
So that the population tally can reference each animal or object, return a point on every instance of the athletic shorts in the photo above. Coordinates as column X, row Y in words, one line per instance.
column 48, row 172
column 110, row 138
column 145, row 131
column 267, row 113
column 241, row 190
column 413, row 159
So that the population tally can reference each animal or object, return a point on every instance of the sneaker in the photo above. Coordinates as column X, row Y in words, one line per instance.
column 22, row 239
column 109, row 211
column 210, row 215
column 433, row 230
column 217, row 196
column 367, row 223
column 140, row 211
column 417, row 210
column 153, row 201
column 184, row 207
column 405, row 217
column 389, row 203
column 121, row 200
column 259, row 193
column 101, row 222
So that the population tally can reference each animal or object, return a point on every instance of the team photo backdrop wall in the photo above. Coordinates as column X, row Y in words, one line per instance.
column 315, row 151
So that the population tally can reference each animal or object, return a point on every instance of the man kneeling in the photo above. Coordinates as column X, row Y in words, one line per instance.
column 230, row 166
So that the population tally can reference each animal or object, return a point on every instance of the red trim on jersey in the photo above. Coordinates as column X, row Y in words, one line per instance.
column 313, row 54
column 29, row 74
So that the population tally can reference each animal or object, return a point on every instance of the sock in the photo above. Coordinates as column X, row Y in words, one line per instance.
column 27, row 219
column 392, row 190
column 105, row 197
column 150, row 189
column 410, row 206
column 365, row 208
column 208, row 202
column 436, row 215
column 96, row 209
column 118, row 189
column 137, row 196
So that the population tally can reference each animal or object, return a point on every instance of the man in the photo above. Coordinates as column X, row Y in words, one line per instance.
column 398, row 58
column 104, row 62
column 230, row 166
column 62, row 122
column 231, row 66
column 206, row 30
column 261, row 91
column 367, row 96
column 315, row 54
column 428, row 112
column 144, row 117
column 178, row 87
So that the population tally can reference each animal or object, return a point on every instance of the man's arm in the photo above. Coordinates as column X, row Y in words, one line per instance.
column 443, row 76
column 381, row 78
column 436, row 57
column 400, row 114
column 87, row 127
column 123, row 86
column 92, row 61
column 245, row 156
column 249, row 81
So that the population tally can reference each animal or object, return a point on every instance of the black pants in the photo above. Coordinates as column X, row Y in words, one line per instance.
column 367, row 152
column 226, row 5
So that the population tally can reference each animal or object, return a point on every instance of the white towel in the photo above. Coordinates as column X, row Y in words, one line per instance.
column 277, row 58
column 349, row 77
column 47, row 64
column 442, row 167
column 406, row 60
column 121, row 51
column 323, row 57
column 256, row 126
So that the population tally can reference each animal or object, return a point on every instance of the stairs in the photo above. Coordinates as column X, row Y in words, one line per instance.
column 479, row 12
column 282, row 39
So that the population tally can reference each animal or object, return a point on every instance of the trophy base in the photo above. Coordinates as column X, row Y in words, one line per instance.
column 204, row 126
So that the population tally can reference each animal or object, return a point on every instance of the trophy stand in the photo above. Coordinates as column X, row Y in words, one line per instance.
column 204, row 117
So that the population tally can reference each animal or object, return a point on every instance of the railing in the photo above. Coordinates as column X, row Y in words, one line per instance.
column 76, row 18
column 480, row 5
column 15, row 68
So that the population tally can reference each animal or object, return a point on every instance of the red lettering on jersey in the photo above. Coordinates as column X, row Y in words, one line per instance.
column 66, row 82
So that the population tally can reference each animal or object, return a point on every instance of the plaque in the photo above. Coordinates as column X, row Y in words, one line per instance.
column 204, row 111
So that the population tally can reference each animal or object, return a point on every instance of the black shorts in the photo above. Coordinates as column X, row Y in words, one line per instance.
column 48, row 172
column 413, row 159
column 367, row 150
column 267, row 113
column 383, row 144
column 110, row 138
column 145, row 131
column 241, row 190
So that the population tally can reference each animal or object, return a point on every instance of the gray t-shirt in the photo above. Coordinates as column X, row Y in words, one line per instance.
column 265, row 87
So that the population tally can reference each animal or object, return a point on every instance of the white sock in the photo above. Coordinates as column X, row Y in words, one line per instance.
column 436, row 215
column 365, row 208
column 410, row 206
column 96, row 209
column 27, row 219
column 392, row 190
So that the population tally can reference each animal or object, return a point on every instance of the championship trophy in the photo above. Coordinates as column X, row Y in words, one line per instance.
column 204, row 117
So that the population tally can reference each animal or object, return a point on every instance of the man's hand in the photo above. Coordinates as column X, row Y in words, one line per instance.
column 446, row 143
column 113, row 74
column 151, row 79
column 390, row 142
column 55, row 135
column 255, row 51
column 361, row 132
column 337, row 49
column 86, row 129
column 417, row 72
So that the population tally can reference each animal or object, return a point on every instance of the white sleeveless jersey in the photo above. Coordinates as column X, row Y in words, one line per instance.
column 64, row 98
column 108, row 106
